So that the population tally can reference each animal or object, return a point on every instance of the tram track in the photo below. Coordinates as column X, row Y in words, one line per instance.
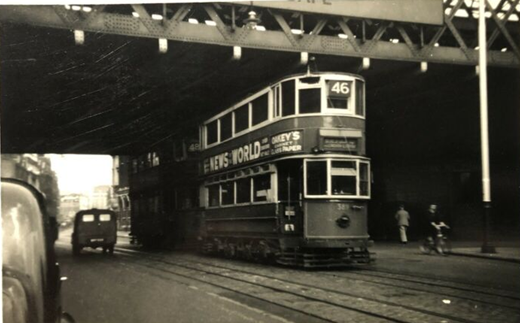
column 310, row 306
column 376, row 306
column 504, row 298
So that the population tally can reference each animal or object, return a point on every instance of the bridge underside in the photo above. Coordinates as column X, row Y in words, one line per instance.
column 118, row 95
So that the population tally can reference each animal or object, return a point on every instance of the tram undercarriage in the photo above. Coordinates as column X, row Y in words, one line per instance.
column 276, row 251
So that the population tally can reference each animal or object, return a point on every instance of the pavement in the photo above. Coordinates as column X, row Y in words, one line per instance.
column 505, row 250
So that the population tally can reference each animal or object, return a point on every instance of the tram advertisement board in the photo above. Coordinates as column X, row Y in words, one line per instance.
column 281, row 143
column 339, row 144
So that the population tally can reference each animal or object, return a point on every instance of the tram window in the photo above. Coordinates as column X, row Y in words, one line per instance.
column 343, row 177
column 212, row 135
column 363, row 179
column 244, row 190
column 337, row 103
column 261, row 185
column 141, row 164
column 155, row 159
column 179, row 151
column 225, row 127
column 317, row 177
column 276, row 103
column 135, row 164
column 360, row 98
column 148, row 161
column 213, row 195
column 288, row 98
column 310, row 80
column 310, row 101
column 242, row 118
column 260, row 109
column 187, row 198
column 228, row 193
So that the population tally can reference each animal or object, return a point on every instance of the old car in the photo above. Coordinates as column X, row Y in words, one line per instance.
column 94, row 228
column 31, row 281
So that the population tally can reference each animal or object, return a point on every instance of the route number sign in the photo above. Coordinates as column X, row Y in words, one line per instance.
column 340, row 88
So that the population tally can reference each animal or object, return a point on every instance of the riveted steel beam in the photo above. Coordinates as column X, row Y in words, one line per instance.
column 496, row 32
column 407, row 40
column 351, row 38
column 221, row 27
column 366, row 37
column 287, row 30
column 502, row 28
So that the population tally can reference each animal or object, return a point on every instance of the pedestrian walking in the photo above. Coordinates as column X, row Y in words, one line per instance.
column 403, row 222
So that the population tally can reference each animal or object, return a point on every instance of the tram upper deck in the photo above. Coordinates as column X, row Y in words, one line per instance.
column 307, row 113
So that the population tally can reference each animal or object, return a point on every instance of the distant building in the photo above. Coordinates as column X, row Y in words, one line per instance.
column 36, row 170
column 71, row 204
column 100, row 197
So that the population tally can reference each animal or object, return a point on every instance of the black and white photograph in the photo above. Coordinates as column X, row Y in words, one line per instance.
column 299, row 161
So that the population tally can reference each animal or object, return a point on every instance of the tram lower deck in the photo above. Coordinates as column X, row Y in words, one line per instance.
column 282, row 219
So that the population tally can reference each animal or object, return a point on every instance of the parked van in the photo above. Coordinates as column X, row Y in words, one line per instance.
column 94, row 228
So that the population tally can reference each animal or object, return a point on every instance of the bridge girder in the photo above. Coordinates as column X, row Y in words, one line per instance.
column 451, row 43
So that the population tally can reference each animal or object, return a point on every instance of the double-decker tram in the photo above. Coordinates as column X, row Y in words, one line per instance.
column 285, row 174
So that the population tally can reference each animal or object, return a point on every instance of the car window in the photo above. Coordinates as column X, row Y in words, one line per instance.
column 88, row 218
column 104, row 217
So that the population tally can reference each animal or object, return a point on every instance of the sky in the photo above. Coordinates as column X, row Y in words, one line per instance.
column 80, row 173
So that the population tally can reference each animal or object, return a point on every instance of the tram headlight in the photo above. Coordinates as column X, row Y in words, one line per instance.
column 343, row 221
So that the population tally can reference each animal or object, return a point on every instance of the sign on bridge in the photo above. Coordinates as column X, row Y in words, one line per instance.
column 415, row 11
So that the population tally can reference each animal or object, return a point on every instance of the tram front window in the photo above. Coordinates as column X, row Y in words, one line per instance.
column 334, row 178
column 337, row 103
column 339, row 94
column 310, row 101
column 343, row 175
column 317, row 177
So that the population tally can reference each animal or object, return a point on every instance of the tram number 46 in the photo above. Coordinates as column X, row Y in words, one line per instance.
column 339, row 88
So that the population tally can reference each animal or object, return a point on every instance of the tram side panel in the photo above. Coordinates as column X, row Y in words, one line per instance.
column 165, row 211
column 149, row 223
